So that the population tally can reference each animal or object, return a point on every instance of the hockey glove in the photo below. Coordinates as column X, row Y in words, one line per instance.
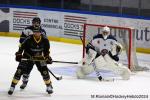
column 48, row 60
column 118, row 49
column 18, row 56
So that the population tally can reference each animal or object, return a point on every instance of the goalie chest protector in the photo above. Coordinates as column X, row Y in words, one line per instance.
column 100, row 43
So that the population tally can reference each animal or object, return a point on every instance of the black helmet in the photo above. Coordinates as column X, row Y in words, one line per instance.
column 36, row 19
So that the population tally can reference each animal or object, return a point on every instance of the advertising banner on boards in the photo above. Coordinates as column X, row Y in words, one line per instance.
column 70, row 24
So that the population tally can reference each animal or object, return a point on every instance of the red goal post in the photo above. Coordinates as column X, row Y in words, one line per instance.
column 89, row 30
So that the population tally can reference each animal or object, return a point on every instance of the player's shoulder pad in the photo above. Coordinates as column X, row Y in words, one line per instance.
column 29, row 37
column 26, row 39
column 111, row 37
column 27, row 31
column 44, row 36
column 43, row 31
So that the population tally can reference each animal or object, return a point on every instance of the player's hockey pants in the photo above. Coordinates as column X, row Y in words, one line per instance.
column 25, row 67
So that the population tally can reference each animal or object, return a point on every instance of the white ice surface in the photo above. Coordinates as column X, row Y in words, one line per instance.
column 69, row 88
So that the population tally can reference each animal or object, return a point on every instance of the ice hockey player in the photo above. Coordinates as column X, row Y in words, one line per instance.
column 35, row 49
column 36, row 25
column 102, row 53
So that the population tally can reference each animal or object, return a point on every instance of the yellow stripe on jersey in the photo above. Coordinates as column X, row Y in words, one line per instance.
column 37, row 41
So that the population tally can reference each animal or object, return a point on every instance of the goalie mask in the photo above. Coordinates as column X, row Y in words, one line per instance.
column 106, row 32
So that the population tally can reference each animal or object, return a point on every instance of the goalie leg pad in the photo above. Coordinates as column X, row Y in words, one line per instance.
column 84, row 70
column 87, row 69
column 80, row 74
column 100, row 63
column 117, row 68
column 90, row 56
column 125, row 73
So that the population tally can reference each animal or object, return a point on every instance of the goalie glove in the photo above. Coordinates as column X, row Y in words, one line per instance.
column 119, row 48
column 18, row 56
column 116, row 49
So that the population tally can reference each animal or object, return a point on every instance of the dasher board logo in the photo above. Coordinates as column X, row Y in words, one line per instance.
column 22, row 19
column 73, row 25
column 4, row 19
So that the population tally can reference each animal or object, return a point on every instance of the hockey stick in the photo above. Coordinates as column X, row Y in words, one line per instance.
column 55, row 61
column 56, row 77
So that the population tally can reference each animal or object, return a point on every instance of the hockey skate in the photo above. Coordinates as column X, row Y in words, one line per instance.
column 49, row 89
column 100, row 78
column 24, row 83
column 11, row 90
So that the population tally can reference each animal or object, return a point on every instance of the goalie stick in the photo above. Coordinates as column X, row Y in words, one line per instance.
column 56, row 77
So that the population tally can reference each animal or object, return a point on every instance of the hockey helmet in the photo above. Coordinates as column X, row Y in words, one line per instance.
column 106, row 29
column 36, row 19
column 105, row 32
column 36, row 22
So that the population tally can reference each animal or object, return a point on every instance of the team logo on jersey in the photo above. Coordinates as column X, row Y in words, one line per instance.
column 111, row 42
column 98, row 42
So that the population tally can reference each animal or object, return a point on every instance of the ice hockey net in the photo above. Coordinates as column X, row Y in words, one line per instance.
column 124, row 36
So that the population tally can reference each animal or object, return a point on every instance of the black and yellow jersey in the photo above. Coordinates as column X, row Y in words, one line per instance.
column 32, row 47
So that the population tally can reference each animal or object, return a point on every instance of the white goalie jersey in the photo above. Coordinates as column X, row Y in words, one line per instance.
column 104, row 45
